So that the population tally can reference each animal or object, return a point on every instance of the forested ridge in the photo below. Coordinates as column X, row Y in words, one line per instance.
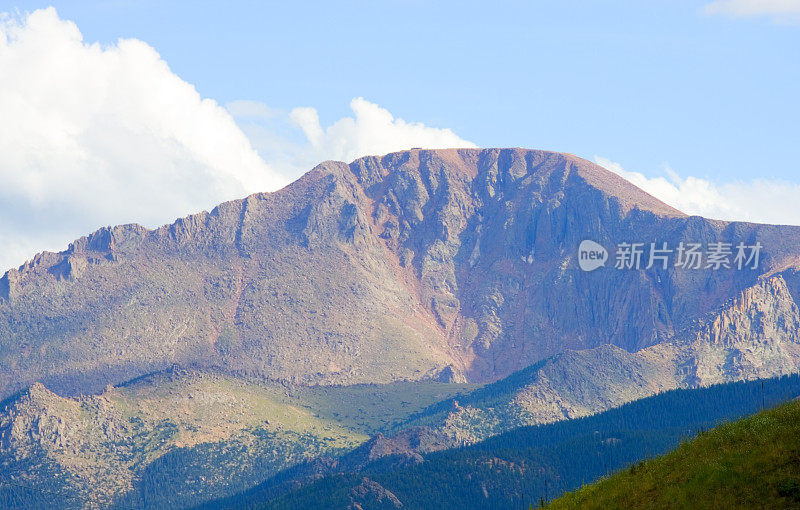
column 531, row 465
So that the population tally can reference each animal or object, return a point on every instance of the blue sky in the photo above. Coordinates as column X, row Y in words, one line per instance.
column 644, row 83
column 677, row 96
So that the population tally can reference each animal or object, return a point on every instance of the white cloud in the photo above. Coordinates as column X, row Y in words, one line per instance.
column 296, row 141
column 373, row 131
column 779, row 10
column 96, row 135
column 759, row 200
column 244, row 109
column 93, row 135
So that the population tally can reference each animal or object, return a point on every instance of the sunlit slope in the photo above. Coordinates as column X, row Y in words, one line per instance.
column 750, row 463
column 180, row 437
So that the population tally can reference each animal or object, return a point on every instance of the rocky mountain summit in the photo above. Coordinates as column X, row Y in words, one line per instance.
column 455, row 265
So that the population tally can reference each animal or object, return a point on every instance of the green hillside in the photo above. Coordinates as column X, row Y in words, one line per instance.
column 750, row 463
column 179, row 437
column 563, row 387
column 522, row 466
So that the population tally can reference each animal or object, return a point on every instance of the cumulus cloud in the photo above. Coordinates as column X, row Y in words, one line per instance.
column 373, row 131
column 761, row 201
column 95, row 135
column 779, row 10
column 294, row 141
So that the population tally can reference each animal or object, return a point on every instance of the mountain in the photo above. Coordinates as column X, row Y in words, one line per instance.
column 569, row 385
column 179, row 438
column 393, row 306
column 749, row 337
column 751, row 463
column 523, row 466
column 458, row 265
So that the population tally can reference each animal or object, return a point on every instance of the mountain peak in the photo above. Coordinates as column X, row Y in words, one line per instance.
column 455, row 264
column 521, row 164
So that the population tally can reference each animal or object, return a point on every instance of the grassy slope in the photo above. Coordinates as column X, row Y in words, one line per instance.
column 304, row 422
column 210, row 407
column 566, row 386
column 373, row 408
column 177, row 438
column 99, row 447
column 521, row 466
column 750, row 463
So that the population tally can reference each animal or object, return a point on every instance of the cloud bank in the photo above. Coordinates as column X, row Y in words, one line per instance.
column 779, row 10
column 760, row 201
column 95, row 135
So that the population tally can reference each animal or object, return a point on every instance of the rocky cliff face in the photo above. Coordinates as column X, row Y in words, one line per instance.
column 455, row 264
column 751, row 336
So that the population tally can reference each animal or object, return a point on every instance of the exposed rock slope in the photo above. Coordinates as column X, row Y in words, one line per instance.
column 451, row 264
